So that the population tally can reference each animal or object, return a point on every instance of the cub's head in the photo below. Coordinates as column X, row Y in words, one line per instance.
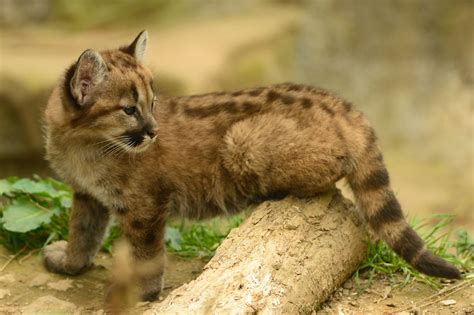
column 107, row 98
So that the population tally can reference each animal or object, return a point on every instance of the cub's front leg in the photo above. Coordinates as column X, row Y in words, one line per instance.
column 87, row 224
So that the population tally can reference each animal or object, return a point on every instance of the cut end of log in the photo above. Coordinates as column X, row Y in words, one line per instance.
column 287, row 257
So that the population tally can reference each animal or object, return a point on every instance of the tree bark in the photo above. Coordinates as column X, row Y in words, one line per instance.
column 286, row 258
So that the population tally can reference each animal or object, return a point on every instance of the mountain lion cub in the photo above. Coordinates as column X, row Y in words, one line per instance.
column 141, row 156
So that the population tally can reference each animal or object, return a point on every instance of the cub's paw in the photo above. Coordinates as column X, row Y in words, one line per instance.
column 151, row 288
column 55, row 260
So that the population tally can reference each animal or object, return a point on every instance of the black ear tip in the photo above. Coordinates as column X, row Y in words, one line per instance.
column 85, row 52
column 143, row 33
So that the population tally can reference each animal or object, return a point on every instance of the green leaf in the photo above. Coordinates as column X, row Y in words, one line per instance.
column 6, row 186
column 23, row 216
column 29, row 186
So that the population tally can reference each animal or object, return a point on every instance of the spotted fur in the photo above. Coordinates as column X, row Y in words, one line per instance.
column 213, row 154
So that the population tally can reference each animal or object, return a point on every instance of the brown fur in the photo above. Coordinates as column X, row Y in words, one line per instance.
column 213, row 154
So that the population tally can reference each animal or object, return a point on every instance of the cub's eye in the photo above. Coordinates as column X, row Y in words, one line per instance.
column 130, row 110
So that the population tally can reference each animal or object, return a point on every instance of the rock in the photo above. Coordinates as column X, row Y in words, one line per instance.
column 3, row 293
column 39, row 280
column 448, row 302
column 348, row 285
column 8, row 278
column 50, row 305
column 61, row 285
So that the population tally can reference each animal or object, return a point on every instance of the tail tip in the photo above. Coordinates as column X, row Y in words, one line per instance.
column 433, row 265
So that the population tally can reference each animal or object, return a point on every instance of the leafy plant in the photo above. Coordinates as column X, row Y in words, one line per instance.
column 33, row 212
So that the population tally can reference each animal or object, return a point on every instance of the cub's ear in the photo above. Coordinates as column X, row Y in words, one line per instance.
column 138, row 47
column 90, row 72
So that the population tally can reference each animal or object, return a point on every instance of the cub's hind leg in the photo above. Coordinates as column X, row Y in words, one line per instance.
column 87, row 224
column 271, row 154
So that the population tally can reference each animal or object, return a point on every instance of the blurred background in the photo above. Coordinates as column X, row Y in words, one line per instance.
column 408, row 64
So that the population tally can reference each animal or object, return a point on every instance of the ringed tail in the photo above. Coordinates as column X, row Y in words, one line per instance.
column 371, row 186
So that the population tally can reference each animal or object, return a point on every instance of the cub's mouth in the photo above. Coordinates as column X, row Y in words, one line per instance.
column 134, row 139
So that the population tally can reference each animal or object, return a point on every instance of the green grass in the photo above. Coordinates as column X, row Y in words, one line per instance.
column 440, row 239
column 34, row 212
column 190, row 239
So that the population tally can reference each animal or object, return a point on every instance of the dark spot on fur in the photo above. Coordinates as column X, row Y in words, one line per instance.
column 376, row 180
column 272, row 96
column 325, row 107
column 294, row 87
column 237, row 93
column 255, row 92
column 287, row 99
column 150, row 237
column 229, row 107
column 306, row 103
column 202, row 112
column 390, row 212
column 347, row 106
column 137, row 224
column 250, row 108
column 122, row 210
column 212, row 94
column 408, row 245
column 82, row 228
column 172, row 107
column 339, row 134
column 320, row 92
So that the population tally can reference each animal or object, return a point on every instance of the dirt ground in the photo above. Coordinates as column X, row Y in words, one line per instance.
column 24, row 281
column 26, row 288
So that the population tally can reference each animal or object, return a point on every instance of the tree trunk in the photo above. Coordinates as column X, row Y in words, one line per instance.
column 287, row 257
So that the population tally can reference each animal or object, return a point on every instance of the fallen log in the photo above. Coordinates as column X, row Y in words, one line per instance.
column 287, row 258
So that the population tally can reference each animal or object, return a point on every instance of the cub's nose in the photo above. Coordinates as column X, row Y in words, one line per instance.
column 151, row 132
